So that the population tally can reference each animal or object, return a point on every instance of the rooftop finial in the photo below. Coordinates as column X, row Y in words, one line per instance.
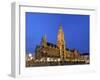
column 60, row 27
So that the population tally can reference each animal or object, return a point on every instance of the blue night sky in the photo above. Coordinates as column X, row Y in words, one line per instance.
column 75, row 27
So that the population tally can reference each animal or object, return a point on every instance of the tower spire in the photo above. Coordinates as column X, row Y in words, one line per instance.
column 60, row 27
column 44, row 41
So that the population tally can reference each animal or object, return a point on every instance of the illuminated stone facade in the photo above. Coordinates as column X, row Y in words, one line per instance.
column 57, row 51
column 49, row 54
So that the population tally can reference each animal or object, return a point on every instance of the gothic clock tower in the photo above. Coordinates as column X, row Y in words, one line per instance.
column 61, row 43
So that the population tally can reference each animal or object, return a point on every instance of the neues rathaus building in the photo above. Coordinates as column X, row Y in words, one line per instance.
column 49, row 50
